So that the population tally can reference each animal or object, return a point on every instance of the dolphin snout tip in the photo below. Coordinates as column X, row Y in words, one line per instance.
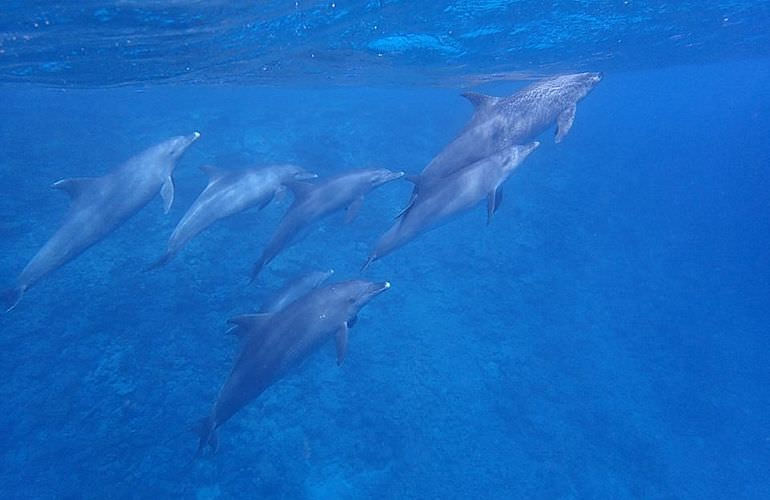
column 196, row 135
column 386, row 285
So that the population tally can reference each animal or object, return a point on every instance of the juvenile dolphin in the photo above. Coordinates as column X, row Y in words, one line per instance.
column 290, row 292
column 229, row 192
column 100, row 204
column 315, row 201
column 499, row 122
column 276, row 343
column 454, row 194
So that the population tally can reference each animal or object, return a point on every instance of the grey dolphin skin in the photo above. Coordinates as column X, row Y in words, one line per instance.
column 229, row 192
column 315, row 201
column 100, row 204
column 499, row 122
column 276, row 343
column 454, row 194
column 293, row 290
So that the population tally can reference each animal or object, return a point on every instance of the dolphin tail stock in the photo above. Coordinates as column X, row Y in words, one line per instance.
column 207, row 433
column 10, row 298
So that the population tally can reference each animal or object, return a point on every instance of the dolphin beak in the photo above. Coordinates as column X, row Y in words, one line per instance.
column 397, row 175
column 380, row 287
column 190, row 139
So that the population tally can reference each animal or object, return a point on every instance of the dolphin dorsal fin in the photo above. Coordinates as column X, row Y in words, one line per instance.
column 300, row 189
column 248, row 324
column 74, row 186
column 214, row 173
column 480, row 100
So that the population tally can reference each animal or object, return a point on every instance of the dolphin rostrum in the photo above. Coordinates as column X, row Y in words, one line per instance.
column 100, row 204
column 276, row 343
column 453, row 195
column 229, row 192
column 499, row 122
column 314, row 201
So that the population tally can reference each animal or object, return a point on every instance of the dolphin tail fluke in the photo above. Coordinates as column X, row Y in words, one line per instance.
column 162, row 261
column 10, row 298
column 256, row 270
column 407, row 207
column 207, row 433
column 368, row 262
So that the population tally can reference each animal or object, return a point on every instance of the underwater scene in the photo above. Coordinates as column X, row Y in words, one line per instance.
column 384, row 249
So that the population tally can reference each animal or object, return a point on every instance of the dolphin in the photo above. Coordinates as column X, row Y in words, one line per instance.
column 276, row 343
column 453, row 195
column 499, row 122
column 315, row 201
column 290, row 292
column 229, row 192
column 100, row 204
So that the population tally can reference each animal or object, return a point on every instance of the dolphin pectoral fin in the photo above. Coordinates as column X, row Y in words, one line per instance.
column 167, row 193
column 248, row 324
column 342, row 343
column 564, row 123
column 267, row 200
column 353, row 209
column 74, row 186
column 494, row 199
column 10, row 298
column 480, row 100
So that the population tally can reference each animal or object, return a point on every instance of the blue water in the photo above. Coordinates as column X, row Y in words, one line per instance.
column 605, row 337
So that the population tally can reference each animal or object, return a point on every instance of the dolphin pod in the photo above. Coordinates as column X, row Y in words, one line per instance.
column 499, row 122
column 315, row 201
column 456, row 193
column 304, row 314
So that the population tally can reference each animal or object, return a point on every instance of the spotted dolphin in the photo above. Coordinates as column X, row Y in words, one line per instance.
column 499, row 122
column 228, row 192
column 315, row 201
column 100, row 204
column 454, row 194
column 276, row 343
